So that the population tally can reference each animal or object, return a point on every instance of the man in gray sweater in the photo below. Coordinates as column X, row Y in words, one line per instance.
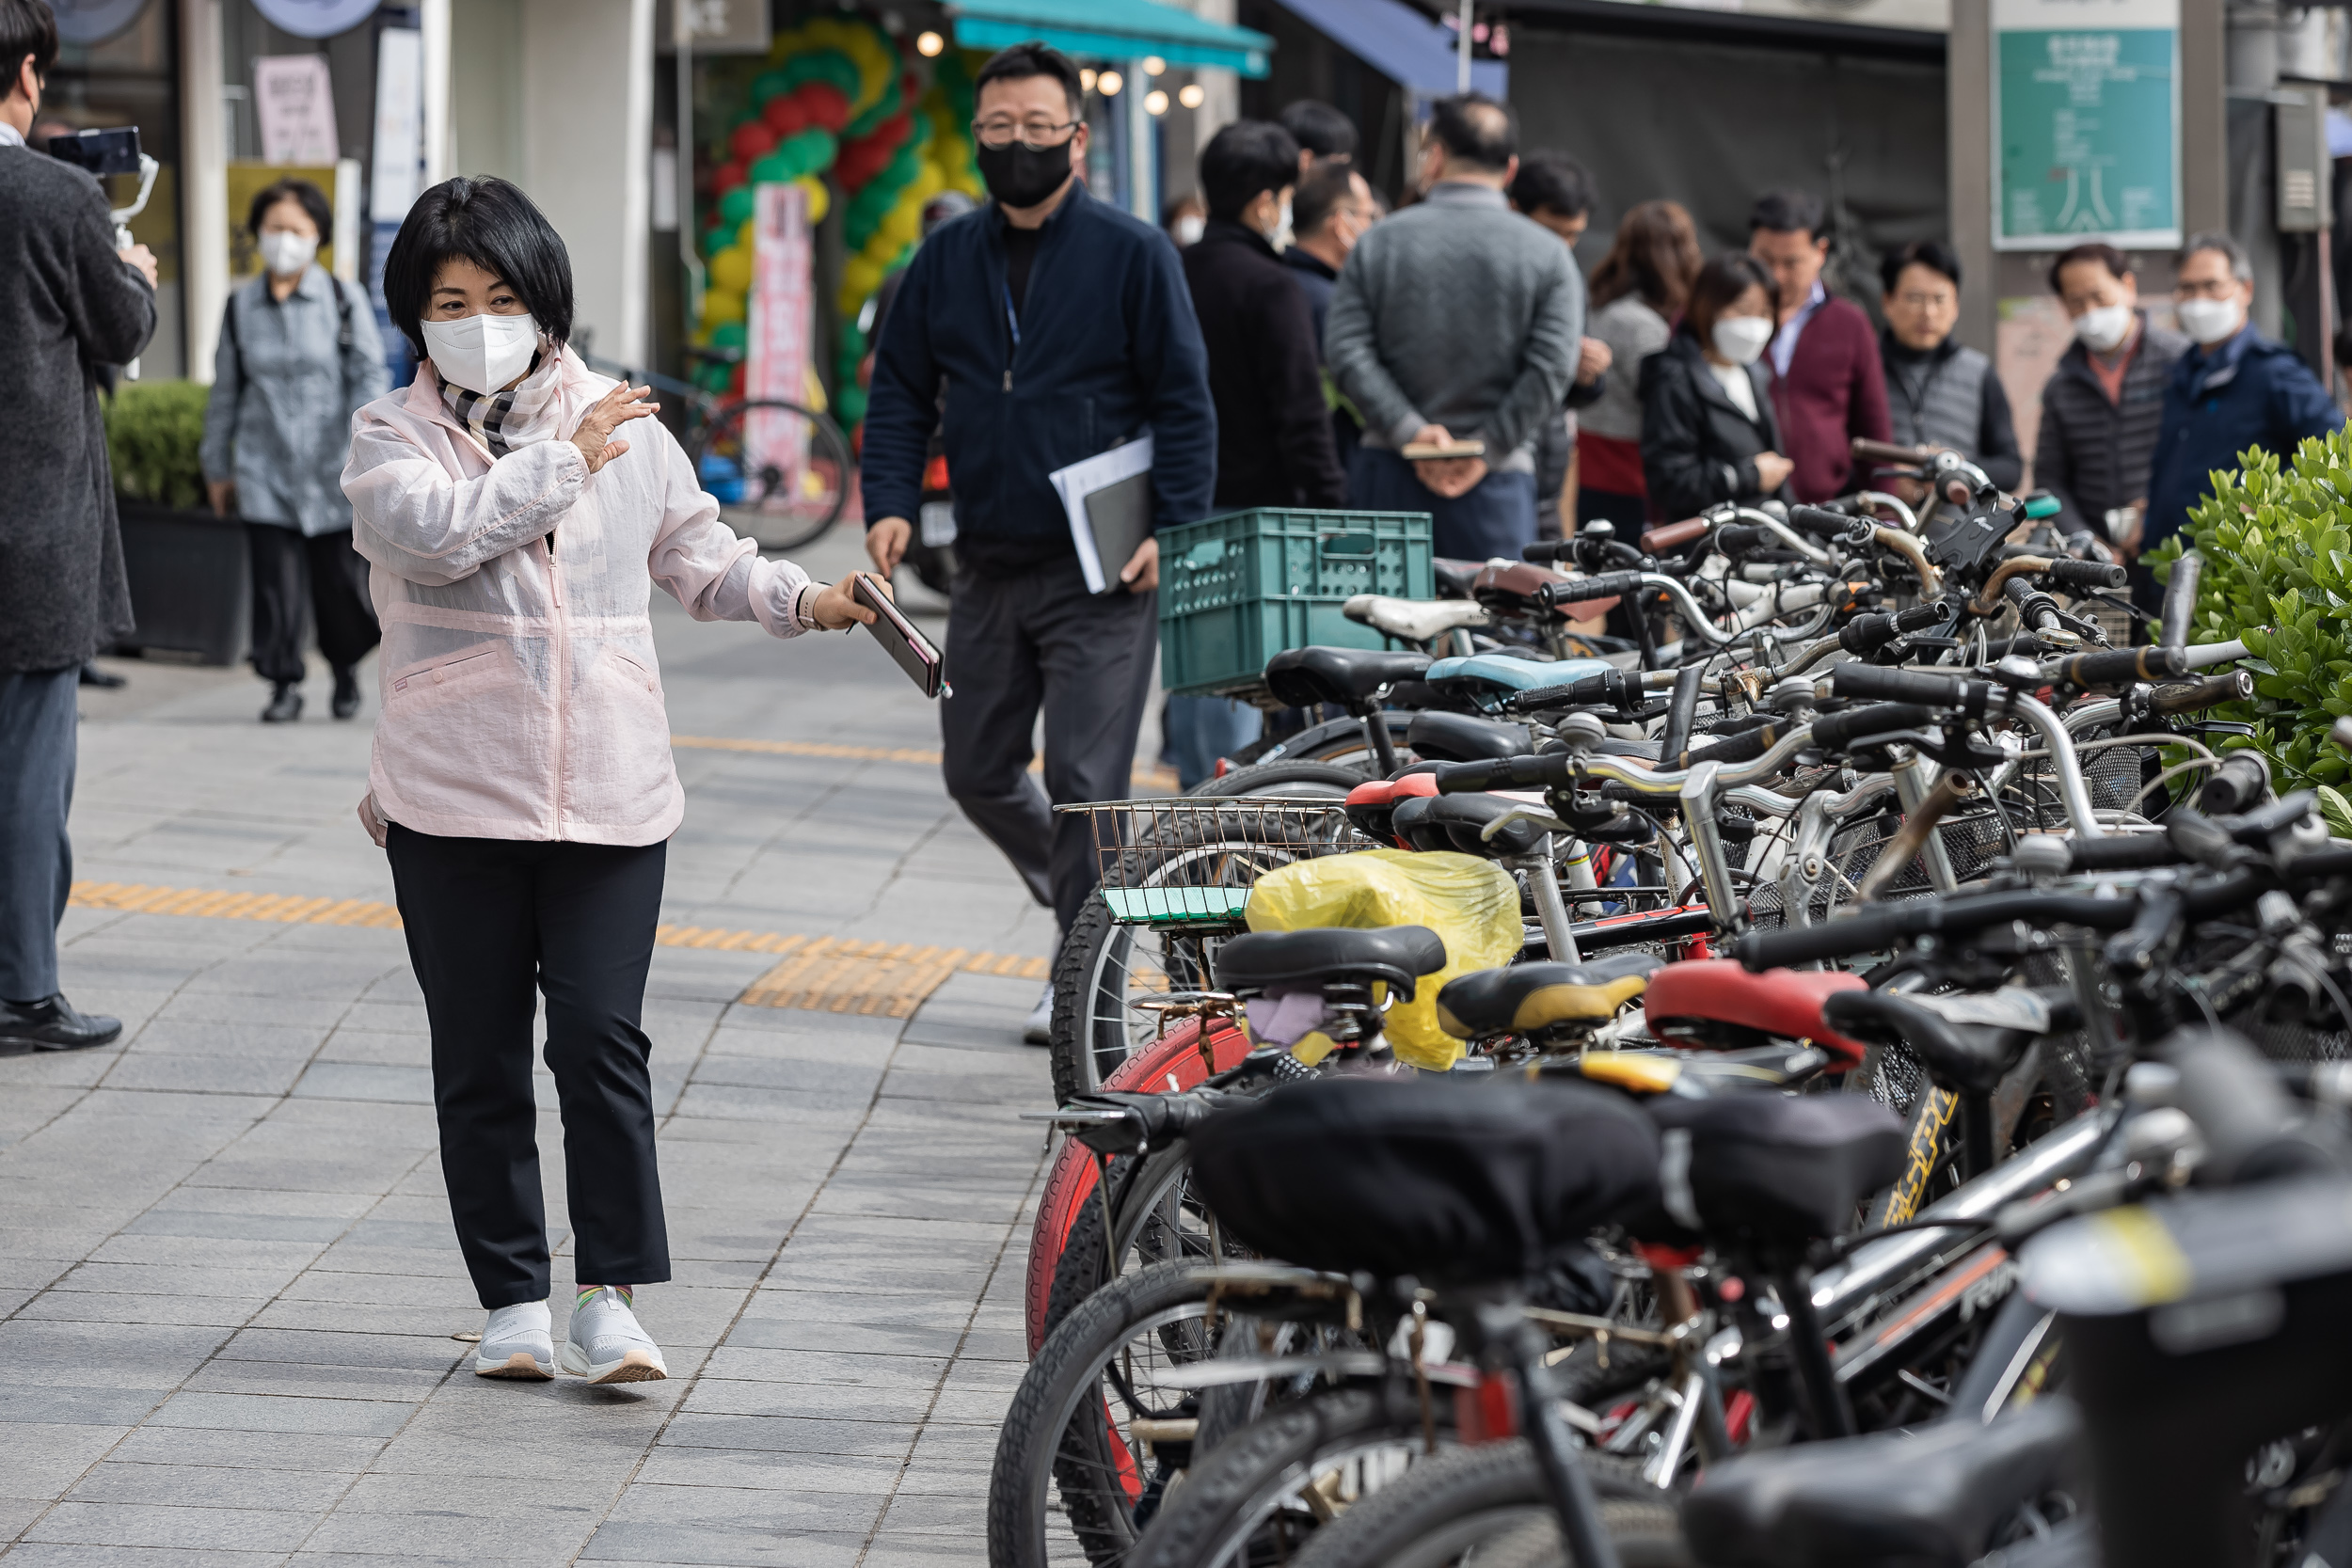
column 1457, row 320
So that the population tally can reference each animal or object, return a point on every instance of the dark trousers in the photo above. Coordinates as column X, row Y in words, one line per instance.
column 1629, row 514
column 488, row 919
column 296, row 579
column 1016, row 644
column 36, row 727
column 1496, row 518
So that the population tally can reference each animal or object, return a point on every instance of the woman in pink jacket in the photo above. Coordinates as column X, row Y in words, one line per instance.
column 521, row 782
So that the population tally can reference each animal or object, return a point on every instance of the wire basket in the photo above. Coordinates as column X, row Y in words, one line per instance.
column 1191, row 862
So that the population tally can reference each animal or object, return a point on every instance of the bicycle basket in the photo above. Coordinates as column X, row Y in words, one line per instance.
column 1188, row 862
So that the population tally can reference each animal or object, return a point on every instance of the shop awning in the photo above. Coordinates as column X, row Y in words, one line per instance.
column 1400, row 43
column 1111, row 29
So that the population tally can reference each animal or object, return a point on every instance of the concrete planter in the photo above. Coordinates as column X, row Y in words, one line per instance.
column 191, row 590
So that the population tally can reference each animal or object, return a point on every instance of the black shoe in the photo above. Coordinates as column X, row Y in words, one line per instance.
column 285, row 706
column 346, row 693
column 105, row 680
column 52, row 1024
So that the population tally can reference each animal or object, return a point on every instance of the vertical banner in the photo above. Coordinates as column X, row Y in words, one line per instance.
column 395, row 179
column 777, row 344
column 2086, row 123
column 294, row 101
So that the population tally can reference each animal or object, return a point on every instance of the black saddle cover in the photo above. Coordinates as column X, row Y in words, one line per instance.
column 1781, row 1169
column 1348, row 677
column 1888, row 1501
column 1440, row 736
column 1487, row 1001
column 1447, row 1181
column 1400, row 955
column 1456, row 821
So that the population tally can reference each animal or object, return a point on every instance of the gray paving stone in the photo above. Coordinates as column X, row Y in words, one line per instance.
column 282, row 1413
column 263, row 1450
column 120, row 1480
column 77, row 1407
column 174, row 1529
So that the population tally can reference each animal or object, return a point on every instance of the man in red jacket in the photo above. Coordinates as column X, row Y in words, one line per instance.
column 1828, row 385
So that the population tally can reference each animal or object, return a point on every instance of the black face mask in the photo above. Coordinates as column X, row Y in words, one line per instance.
column 1017, row 177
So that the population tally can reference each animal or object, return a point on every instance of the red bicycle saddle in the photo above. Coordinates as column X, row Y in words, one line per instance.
column 1782, row 1002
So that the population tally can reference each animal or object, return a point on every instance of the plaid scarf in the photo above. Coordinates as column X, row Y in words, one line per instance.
column 515, row 417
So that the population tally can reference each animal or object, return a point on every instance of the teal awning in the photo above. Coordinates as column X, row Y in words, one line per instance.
column 1111, row 29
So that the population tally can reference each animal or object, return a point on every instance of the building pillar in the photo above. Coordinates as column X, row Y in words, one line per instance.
column 587, row 92
column 203, row 185
column 1968, row 111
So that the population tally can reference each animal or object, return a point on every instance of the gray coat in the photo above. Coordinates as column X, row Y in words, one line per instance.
column 285, row 384
column 1457, row 311
column 69, row 304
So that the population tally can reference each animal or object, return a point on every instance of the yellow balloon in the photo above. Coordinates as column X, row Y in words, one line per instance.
column 747, row 232
column 927, row 178
column 900, row 226
column 861, row 273
column 721, row 306
column 731, row 270
column 819, row 198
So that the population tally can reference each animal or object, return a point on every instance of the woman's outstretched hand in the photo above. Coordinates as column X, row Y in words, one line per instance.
column 837, row 610
column 615, row 408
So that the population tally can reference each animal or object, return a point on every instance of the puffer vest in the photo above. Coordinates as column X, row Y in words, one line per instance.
column 1938, row 402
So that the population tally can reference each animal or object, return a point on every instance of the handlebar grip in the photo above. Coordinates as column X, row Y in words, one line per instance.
column 2123, row 852
column 1682, row 707
column 1867, row 634
column 1872, row 683
column 1744, row 747
column 1866, row 451
column 1609, row 585
column 2253, row 1131
column 1543, row 552
column 1819, row 522
column 1468, row 778
column 2237, row 785
column 2179, row 609
column 2196, row 696
column 2118, row 665
column 1833, row 732
column 2088, row 574
column 1739, row 538
column 1801, row 944
column 1610, row 687
column 1667, row 537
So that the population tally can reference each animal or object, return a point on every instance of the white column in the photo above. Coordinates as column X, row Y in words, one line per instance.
column 203, row 183
column 1220, row 90
column 587, row 95
column 433, row 21
column 1143, row 190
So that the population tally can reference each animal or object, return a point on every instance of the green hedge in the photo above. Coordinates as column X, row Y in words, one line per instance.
column 154, row 429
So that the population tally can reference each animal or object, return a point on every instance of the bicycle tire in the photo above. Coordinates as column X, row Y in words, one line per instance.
column 1093, row 1031
column 1304, row 781
column 1056, row 1437
column 828, row 447
column 1490, row 1495
column 1140, row 1193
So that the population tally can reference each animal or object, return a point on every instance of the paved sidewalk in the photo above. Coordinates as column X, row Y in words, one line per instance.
column 227, row 1282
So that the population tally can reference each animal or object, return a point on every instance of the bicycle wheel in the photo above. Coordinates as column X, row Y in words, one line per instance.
column 788, row 485
column 1102, row 970
column 1091, row 1428
column 1155, row 1219
column 1487, row 1505
column 1299, row 781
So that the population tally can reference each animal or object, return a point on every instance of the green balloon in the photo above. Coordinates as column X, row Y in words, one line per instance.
column 729, row 335
column 822, row 147
column 735, row 207
column 851, row 404
column 876, row 112
column 824, row 65
column 773, row 168
column 767, row 83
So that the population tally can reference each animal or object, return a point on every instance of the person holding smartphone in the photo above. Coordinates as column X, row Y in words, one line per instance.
column 522, row 781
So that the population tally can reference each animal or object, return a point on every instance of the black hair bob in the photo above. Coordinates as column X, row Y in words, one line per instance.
column 302, row 194
column 491, row 222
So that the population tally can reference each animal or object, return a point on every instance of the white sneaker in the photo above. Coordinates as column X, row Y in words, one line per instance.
column 606, row 1345
column 516, row 1342
column 1039, row 1030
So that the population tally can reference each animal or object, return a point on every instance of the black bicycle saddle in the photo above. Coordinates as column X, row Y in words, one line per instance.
column 1400, row 955
column 1456, row 821
column 1962, row 1054
column 1303, row 676
column 1437, row 735
column 1781, row 1169
column 1542, row 995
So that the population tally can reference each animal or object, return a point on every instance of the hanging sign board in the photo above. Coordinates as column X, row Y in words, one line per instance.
column 777, row 344
column 294, row 101
column 2086, row 123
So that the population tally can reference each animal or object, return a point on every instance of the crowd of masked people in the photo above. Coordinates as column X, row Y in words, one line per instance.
column 1667, row 382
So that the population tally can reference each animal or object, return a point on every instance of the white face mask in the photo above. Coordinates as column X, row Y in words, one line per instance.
column 2104, row 327
column 286, row 253
column 1280, row 237
column 481, row 353
column 1188, row 230
column 2210, row 320
column 1741, row 339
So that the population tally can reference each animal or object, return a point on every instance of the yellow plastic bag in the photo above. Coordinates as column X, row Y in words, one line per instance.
column 1472, row 905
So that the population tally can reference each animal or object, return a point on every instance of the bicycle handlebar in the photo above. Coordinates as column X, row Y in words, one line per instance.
column 1935, row 688
column 1667, row 537
column 1608, row 585
column 1867, row 634
column 1835, row 731
column 2253, row 1130
column 2196, row 696
column 2121, row 666
column 2088, row 574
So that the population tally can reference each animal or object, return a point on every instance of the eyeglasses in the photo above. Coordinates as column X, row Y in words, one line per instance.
column 1926, row 302
column 2211, row 288
column 1036, row 135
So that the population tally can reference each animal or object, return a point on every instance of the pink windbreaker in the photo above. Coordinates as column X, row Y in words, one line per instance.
column 520, row 694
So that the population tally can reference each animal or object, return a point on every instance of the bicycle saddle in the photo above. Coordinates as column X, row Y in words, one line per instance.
column 1528, row 997
column 1349, row 676
column 1930, row 1501
column 1455, row 577
column 1498, row 675
column 1431, row 1177
column 1415, row 620
column 1443, row 736
column 1965, row 1052
column 1716, row 1002
column 1777, row 1169
column 1371, row 805
column 1455, row 822
column 1400, row 955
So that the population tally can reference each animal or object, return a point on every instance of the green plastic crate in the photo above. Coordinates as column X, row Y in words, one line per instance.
column 1238, row 589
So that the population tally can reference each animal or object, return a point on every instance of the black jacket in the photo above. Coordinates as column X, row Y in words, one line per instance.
column 1265, row 373
column 1108, row 349
column 2094, row 455
column 70, row 305
column 1698, row 447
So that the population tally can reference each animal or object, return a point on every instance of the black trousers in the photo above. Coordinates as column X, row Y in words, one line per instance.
column 1017, row 644
column 38, row 720
column 298, row 578
column 488, row 919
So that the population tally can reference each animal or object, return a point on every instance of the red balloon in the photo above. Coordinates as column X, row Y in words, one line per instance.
column 889, row 135
column 751, row 142
column 735, row 381
column 727, row 176
column 857, row 165
column 827, row 104
column 785, row 116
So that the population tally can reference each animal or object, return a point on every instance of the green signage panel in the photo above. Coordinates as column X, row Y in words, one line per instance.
column 2086, row 123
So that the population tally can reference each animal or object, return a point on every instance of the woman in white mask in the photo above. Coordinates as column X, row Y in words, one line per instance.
column 298, row 355
column 1707, row 431
column 521, row 782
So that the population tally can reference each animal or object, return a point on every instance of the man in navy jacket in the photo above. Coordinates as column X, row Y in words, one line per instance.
column 2234, row 390
column 1059, row 327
